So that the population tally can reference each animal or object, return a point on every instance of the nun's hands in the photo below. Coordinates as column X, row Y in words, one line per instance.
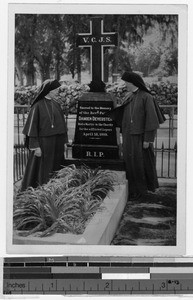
column 38, row 152
column 145, row 145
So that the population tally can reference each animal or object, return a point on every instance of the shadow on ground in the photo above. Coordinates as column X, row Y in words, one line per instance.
column 150, row 221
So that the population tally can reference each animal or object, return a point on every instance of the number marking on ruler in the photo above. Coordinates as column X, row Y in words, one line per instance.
column 78, row 276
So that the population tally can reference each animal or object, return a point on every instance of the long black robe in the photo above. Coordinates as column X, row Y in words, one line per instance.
column 51, row 139
column 139, row 118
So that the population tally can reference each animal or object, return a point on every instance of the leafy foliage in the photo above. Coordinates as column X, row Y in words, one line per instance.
column 65, row 204
column 164, row 92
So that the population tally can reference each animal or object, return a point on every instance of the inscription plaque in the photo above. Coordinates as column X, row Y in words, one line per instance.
column 95, row 134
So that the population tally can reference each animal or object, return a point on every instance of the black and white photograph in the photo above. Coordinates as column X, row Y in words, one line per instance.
column 97, row 103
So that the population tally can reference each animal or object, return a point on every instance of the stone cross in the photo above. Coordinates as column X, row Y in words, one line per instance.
column 96, row 40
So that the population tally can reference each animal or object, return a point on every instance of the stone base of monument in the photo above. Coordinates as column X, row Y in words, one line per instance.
column 100, row 229
column 111, row 164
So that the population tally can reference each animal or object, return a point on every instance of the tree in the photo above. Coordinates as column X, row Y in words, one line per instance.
column 168, row 63
column 76, row 24
column 24, row 41
column 147, row 60
column 157, row 56
column 40, row 40
column 132, row 30
column 47, row 50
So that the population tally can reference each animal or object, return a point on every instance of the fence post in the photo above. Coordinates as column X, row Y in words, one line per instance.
column 172, row 121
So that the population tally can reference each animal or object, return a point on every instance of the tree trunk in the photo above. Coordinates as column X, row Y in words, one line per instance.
column 19, row 72
column 44, row 62
column 57, row 69
column 79, row 65
column 46, row 67
column 149, row 69
column 30, row 70
column 106, row 66
column 45, row 73
column 115, row 62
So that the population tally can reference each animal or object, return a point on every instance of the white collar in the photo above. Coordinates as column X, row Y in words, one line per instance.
column 48, row 98
column 135, row 90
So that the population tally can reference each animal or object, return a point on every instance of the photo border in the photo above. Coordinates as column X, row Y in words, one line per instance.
column 94, row 250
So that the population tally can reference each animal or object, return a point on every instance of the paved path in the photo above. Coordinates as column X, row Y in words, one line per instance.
column 150, row 221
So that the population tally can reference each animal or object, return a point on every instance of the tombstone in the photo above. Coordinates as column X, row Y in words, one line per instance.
column 95, row 133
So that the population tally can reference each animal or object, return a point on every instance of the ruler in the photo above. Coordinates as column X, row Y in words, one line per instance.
column 97, row 275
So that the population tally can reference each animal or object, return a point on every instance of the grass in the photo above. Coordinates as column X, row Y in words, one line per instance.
column 65, row 204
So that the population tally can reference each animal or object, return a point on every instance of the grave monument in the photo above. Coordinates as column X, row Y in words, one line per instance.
column 95, row 133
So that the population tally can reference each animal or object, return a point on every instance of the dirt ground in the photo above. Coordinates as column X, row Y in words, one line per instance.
column 151, row 220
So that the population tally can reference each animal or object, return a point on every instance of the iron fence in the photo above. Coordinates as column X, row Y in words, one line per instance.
column 165, row 142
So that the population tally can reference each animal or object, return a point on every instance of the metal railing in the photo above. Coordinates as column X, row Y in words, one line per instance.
column 165, row 142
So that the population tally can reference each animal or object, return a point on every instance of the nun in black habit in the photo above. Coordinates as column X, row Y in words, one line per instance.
column 46, row 134
column 138, row 117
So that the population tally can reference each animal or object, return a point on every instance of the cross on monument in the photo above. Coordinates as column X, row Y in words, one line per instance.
column 96, row 40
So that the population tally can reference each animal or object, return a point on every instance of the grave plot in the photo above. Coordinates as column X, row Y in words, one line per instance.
column 77, row 206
